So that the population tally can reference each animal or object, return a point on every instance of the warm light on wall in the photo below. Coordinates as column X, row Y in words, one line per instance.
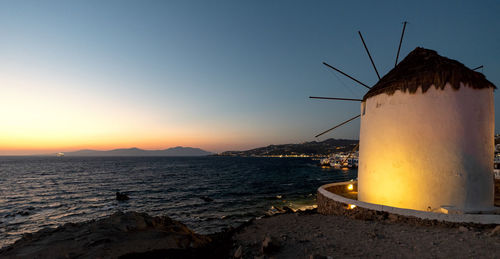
column 351, row 206
column 407, row 163
column 350, row 187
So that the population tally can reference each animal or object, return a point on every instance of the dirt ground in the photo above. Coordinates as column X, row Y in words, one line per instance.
column 306, row 236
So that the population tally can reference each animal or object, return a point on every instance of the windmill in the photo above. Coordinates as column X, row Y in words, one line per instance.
column 359, row 82
column 426, row 135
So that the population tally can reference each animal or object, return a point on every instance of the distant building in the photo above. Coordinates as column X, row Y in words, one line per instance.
column 426, row 137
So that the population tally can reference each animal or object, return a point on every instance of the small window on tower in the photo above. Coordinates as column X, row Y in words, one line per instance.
column 363, row 107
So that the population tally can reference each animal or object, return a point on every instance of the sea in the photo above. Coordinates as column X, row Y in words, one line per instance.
column 208, row 194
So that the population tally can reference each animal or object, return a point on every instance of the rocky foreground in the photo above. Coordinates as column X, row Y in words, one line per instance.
column 288, row 235
column 121, row 235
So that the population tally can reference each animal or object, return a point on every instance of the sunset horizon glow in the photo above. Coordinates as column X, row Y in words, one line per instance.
column 234, row 76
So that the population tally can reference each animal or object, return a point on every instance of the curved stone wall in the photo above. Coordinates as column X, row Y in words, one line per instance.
column 331, row 201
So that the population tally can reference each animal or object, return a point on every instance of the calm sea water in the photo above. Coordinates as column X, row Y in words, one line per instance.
column 38, row 192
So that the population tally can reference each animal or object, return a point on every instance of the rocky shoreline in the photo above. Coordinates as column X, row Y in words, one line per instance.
column 307, row 234
column 120, row 235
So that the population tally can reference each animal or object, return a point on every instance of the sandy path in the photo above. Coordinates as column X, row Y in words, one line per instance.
column 300, row 236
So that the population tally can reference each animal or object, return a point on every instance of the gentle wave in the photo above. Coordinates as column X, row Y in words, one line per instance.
column 38, row 192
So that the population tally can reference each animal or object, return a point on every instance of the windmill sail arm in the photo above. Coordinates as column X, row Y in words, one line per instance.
column 335, row 98
column 370, row 56
column 345, row 122
column 352, row 78
column 481, row 66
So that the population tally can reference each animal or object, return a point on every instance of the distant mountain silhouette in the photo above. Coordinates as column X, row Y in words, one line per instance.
column 175, row 151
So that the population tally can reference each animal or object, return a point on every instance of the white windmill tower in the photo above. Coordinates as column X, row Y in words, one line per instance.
column 426, row 136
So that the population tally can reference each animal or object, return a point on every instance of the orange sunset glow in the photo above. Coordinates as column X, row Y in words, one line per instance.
column 44, row 116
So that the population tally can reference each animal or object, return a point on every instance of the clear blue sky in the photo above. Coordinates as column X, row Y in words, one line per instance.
column 213, row 74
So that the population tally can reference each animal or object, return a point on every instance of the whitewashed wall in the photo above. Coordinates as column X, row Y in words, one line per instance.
column 422, row 151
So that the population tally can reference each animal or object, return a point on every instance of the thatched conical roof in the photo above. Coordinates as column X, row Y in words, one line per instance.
column 424, row 68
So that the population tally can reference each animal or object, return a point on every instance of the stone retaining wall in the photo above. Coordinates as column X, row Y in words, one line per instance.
column 330, row 203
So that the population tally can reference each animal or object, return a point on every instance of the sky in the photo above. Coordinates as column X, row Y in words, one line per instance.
column 218, row 75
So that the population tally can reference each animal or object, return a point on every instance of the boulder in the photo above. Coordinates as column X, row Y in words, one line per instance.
column 121, row 196
column 206, row 199
column 111, row 237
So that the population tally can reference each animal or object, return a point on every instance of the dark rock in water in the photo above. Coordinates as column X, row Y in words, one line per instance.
column 317, row 256
column 22, row 213
column 19, row 212
column 278, row 210
column 206, row 198
column 130, row 234
column 121, row 196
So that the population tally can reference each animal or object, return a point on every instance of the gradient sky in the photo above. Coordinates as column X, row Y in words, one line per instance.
column 219, row 75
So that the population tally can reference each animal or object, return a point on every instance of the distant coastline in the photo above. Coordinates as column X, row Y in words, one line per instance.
column 306, row 149
column 175, row 151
